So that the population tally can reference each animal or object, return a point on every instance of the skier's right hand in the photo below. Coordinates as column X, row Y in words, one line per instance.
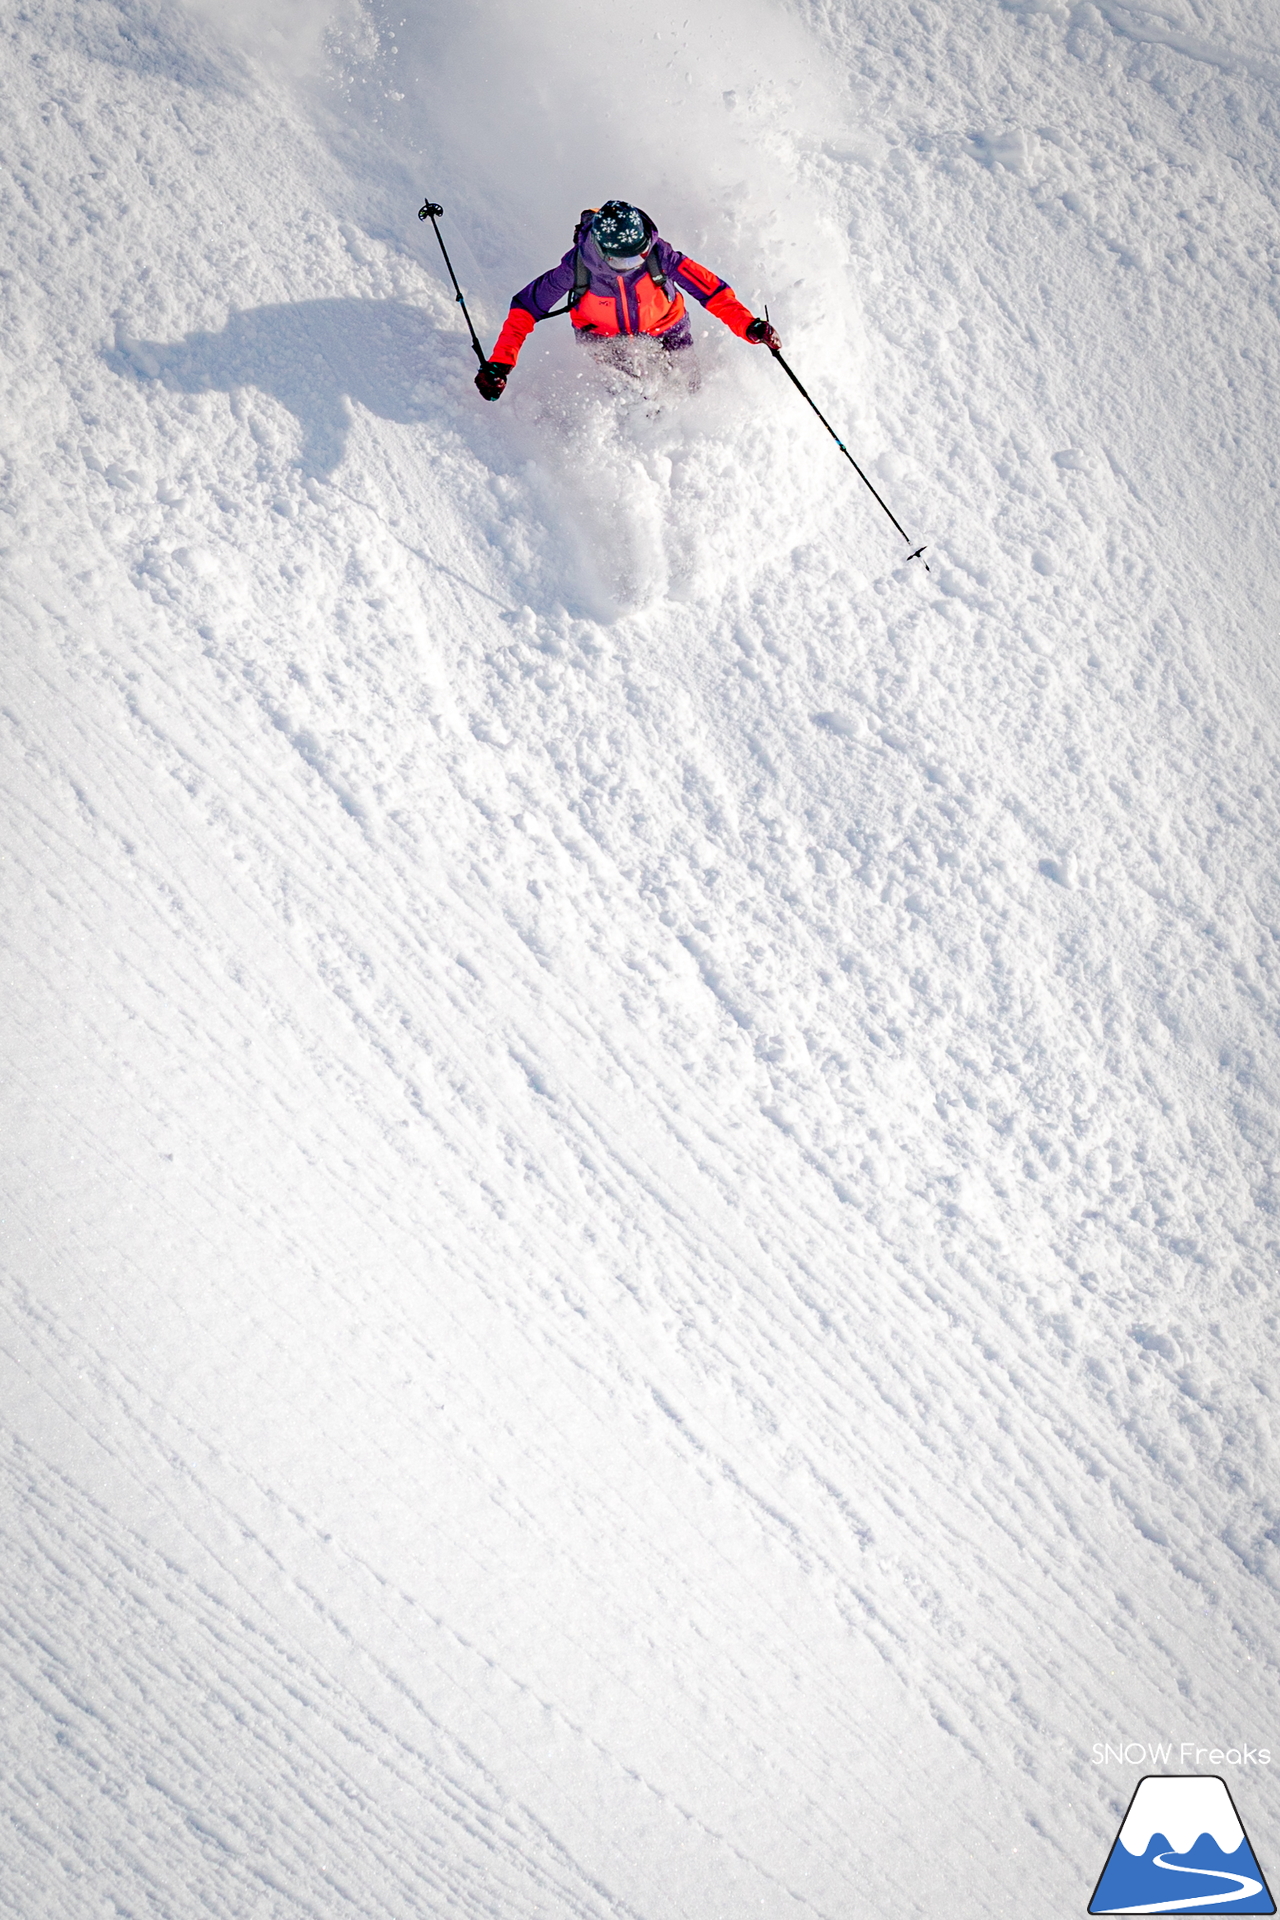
column 491, row 379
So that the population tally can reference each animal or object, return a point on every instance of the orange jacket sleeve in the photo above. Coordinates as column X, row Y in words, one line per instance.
column 715, row 294
column 727, row 307
column 516, row 329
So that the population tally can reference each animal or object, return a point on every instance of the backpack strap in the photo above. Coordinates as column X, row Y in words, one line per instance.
column 652, row 262
column 581, row 278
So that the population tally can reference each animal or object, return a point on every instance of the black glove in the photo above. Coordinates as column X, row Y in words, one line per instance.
column 492, row 378
column 764, row 335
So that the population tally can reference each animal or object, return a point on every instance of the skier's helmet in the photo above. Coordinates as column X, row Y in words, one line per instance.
column 621, row 231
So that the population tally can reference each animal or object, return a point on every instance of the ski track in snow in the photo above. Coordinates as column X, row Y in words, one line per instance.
column 642, row 1159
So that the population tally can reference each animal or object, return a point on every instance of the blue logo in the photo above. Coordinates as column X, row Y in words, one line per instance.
column 1181, row 1849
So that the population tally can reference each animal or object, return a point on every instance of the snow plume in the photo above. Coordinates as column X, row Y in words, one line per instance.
column 288, row 38
column 516, row 119
column 699, row 112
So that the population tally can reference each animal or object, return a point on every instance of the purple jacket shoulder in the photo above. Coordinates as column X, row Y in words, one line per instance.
column 549, row 290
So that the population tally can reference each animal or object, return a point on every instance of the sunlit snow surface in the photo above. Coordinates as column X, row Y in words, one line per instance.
column 641, row 1150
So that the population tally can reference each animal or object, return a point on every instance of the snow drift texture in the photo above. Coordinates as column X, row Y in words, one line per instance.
column 642, row 1154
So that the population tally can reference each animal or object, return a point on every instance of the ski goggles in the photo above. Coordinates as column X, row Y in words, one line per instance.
column 625, row 262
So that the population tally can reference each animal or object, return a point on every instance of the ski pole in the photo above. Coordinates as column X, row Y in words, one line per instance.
column 429, row 210
column 919, row 551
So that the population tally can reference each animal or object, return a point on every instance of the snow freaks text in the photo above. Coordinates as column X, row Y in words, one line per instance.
column 1136, row 1753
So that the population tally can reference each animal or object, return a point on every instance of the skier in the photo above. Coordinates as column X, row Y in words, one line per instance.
column 619, row 278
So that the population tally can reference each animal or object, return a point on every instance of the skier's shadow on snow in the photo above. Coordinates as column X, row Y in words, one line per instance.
column 315, row 357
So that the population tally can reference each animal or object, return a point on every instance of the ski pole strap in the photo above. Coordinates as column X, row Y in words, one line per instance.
column 919, row 551
column 430, row 210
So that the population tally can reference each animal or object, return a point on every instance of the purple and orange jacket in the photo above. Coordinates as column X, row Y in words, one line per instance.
column 618, row 303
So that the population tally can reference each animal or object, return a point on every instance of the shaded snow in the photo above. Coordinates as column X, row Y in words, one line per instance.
column 642, row 1155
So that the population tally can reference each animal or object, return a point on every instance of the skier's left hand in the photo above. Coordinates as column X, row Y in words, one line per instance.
column 765, row 336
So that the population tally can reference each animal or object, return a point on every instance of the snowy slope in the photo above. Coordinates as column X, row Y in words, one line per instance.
column 642, row 1151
